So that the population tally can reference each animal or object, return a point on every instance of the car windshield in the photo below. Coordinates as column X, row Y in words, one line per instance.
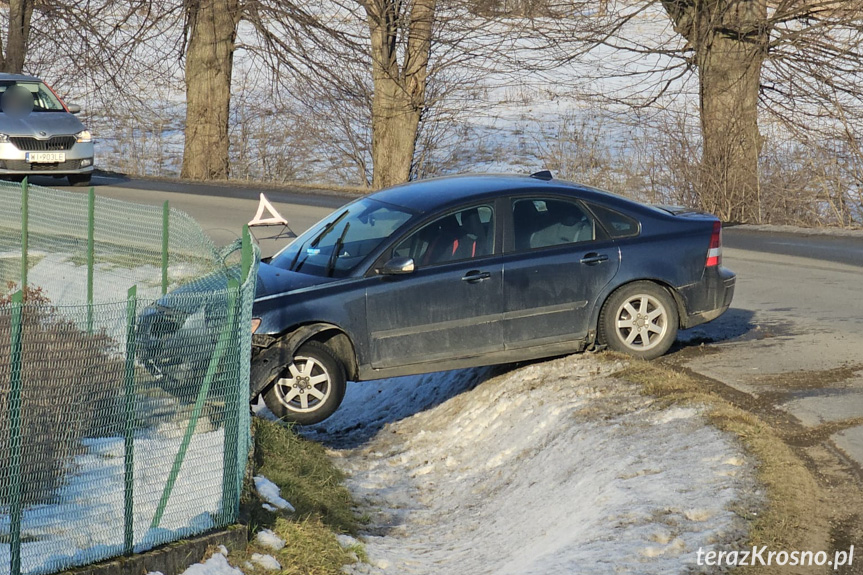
column 44, row 99
column 336, row 245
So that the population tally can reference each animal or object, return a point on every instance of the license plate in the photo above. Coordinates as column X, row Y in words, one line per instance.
column 45, row 157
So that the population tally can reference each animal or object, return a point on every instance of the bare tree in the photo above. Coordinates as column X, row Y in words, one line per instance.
column 17, row 35
column 797, row 61
column 211, row 29
column 384, row 67
column 330, row 51
column 401, row 37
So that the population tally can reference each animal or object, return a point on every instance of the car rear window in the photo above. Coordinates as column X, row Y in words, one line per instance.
column 616, row 224
column 549, row 222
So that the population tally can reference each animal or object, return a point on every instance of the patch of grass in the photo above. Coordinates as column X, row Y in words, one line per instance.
column 306, row 476
column 794, row 517
column 314, row 486
column 311, row 549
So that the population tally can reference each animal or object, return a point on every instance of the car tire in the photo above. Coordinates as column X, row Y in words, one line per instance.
column 80, row 179
column 310, row 389
column 639, row 319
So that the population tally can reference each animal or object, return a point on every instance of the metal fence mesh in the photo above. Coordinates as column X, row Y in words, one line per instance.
column 123, row 411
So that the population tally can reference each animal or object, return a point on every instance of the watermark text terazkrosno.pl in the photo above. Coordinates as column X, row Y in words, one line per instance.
column 760, row 556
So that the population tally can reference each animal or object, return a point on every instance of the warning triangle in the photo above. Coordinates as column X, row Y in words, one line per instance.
column 274, row 219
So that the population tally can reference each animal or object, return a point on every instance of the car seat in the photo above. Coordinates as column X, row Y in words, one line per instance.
column 444, row 245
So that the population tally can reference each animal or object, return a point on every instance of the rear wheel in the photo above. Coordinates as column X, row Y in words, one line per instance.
column 310, row 389
column 639, row 319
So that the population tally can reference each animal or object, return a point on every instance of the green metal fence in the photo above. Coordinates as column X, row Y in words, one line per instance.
column 124, row 365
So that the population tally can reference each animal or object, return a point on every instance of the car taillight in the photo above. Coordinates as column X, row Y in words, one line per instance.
column 714, row 254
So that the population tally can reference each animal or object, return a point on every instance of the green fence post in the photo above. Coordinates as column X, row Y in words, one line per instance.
column 16, row 504
column 129, row 421
column 25, row 223
column 231, row 476
column 221, row 346
column 246, row 261
column 91, row 244
column 166, row 220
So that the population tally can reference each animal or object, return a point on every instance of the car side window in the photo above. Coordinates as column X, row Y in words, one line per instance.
column 616, row 224
column 541, row 223
column 462, row 235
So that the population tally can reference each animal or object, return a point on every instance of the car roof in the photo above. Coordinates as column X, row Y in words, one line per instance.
column 17, row 77
column 438, row 193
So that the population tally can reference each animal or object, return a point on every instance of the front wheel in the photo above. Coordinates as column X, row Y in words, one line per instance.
column 639, row 319
column 310, row 389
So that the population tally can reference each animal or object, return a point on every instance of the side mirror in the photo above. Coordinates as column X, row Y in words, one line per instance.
column 398, row 266
column 73, row 108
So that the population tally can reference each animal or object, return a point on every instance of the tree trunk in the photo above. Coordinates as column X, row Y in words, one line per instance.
column 212, row 31
column 20, row 14
column 730, row 39
column 398, row 100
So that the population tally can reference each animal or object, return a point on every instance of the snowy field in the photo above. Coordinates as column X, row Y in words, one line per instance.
column 492, row 117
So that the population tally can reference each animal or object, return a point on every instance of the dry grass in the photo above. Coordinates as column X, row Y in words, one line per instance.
column 311, row 549
column 70, row 385
column 324, row 508
column 794, row 517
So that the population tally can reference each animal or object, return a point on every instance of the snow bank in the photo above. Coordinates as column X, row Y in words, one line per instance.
column 552, row 469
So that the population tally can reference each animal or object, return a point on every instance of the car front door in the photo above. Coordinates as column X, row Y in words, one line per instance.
column 557, row 262
column 449, row 307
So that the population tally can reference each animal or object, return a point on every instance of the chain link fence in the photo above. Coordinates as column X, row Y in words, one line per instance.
column 124, row 365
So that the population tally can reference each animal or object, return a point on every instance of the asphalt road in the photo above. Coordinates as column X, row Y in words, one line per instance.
column 792, row 341
column 221, row 209
column 844, row 249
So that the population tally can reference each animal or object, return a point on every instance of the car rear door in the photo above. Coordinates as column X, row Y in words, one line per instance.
column 450, row 307
column 558, row 260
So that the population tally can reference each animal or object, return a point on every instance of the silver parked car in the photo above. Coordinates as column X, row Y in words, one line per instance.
column 39, row 135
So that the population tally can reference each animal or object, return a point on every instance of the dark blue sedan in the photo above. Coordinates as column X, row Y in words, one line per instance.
column 476, row 270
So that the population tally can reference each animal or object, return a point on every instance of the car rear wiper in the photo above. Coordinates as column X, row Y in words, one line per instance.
column 331, row 263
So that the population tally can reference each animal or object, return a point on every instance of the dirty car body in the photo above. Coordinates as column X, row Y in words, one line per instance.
column 476, row 270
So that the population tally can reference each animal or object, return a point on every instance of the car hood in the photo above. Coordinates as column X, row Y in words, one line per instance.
column 271, row 280
column 275, row 280
column 52, row 123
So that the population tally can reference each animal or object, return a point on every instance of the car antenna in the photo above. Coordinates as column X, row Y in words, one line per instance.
column 274, row 219
column 542, row 175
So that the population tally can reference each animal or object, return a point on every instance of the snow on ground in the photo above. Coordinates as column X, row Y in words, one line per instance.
column 215, row 565
column 271, row 493
column 370, row 405
column 85, row 521
column 65, row 282
column 265, row 562
column 554, row 468
column 266, row 538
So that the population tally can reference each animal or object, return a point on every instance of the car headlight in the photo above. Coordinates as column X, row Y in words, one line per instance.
column 84, row 137
column 4, row 138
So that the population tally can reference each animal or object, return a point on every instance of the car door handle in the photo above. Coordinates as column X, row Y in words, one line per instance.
column 475, row 276
column 593, row 258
